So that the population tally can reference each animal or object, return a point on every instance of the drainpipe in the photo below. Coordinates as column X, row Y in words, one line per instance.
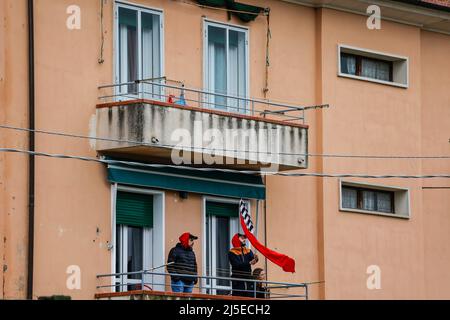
column 31, row 147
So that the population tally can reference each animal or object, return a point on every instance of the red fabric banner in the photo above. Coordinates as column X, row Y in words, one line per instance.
column 282, row 260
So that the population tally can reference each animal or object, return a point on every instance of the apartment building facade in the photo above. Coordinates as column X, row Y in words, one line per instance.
column 128, row 81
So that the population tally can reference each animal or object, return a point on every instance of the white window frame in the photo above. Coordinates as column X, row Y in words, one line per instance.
column 213, row 282
column 154, row 256
column 147, row 257
column 377, row 55
column 116, row 64
column 227, row 27
column 401, row 199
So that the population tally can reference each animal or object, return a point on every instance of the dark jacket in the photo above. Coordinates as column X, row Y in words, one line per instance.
column 239, row 258
column 184, row 263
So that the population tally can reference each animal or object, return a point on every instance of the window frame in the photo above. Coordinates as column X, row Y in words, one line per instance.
column 116, row 47
column 212, row 284
column 374, row 55
column 147, row 256
column 206, row 23
column 400, row 200
column 158, row 257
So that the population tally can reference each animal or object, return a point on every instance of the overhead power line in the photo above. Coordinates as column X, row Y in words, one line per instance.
column 194, row 148
column 253, row 172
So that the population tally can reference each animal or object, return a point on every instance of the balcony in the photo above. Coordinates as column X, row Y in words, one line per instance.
column 170, row 123
column 155, row 285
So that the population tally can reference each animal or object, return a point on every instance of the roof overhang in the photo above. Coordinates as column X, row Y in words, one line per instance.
column 424, row 15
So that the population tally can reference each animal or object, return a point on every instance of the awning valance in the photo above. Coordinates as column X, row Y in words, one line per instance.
column 216, row 183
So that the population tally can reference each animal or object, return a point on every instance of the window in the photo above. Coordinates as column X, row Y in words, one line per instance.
column 366, row 199
column 133, row 248
column 226, row 66
column 139, row 51
column 373, row 66
column 357, row 197
column 221, row 224
column 366, row 67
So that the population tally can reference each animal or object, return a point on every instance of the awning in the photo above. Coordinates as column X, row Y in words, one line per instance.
column 216, row 183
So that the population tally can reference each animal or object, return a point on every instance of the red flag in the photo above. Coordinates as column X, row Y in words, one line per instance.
column 282, row 260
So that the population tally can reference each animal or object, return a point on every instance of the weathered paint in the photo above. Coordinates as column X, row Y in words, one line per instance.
column 163, row 128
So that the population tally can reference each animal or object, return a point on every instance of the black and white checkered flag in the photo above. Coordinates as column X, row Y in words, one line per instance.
column 246, row 216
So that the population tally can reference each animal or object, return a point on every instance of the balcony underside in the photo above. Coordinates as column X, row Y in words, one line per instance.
column 153, row 131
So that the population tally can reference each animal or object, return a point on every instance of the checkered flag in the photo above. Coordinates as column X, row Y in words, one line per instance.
column 246, row 216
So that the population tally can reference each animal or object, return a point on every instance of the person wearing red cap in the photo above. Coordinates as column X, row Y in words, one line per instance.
column 241, row 259
column 182, row 264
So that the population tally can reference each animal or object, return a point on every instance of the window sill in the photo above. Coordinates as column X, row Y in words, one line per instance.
column 393, row 84
column 375, row 213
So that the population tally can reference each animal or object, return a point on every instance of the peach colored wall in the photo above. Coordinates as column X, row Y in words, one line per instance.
column 72, row 198
column 184, row 215
column 303, row 220
column 13, row 177
column 368, row 118
column 435, row 116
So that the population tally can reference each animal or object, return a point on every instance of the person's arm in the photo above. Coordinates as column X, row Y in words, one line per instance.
column 195, row 269
column 171, row 259
column 253, row 258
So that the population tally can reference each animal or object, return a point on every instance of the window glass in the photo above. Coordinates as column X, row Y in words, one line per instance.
column 368, row 198
column 222, row 248
column 151, row 54
column 238, row 70
column 349, row 198
column 348, row 64
column 217, row 65
column 384, row 202
column 139, row 52
column 226, row 68
column 135, row 250
column 375, row 69
column 128, row 46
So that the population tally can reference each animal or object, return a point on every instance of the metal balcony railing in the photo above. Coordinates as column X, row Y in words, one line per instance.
column 148, row 280
column 176, row 92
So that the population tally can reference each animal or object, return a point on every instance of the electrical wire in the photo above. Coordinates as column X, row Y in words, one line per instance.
column 194, row 148
column 252, row 172
column 101, row 60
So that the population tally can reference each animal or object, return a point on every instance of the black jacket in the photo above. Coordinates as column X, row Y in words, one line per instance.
column 185, row 263
column 240, row 262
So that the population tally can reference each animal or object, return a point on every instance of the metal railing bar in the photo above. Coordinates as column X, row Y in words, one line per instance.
column 239, row 98
column 206, row 288
column 293, row 107
column 144, row 272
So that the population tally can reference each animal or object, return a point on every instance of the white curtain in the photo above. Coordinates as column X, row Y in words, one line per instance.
column 226, row 68
column 237, row 77
column 151, row 55
column 128, row 50
column 375, row 69
column 349, row 198
column 384, row 202
column 348, row 64
column 217, row 66
column 369, row 200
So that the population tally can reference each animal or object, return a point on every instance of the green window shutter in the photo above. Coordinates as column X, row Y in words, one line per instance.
column 222, row 209
column 134, row 209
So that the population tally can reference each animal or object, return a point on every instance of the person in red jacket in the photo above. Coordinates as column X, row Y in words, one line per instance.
column 241, row 259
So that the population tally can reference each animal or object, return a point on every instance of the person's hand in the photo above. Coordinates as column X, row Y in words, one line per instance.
column 255, row 260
